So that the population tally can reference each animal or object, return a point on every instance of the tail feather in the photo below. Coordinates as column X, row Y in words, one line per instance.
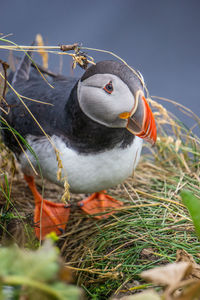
column 22, row 72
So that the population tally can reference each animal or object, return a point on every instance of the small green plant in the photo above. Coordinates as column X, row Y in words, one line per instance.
column 33, row 274
column 193, row 205
column 6, row 212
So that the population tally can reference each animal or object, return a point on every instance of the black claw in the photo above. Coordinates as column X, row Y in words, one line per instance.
column 61, row 230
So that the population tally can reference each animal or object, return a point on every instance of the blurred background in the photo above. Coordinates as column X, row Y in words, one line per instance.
column 159, row 38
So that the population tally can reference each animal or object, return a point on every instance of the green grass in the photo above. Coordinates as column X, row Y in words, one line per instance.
column 117, row 251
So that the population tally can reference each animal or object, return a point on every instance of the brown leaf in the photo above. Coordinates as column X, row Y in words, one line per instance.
column 191, row 292
column 66, row 274
column 168, row 275
column 147, row 295
column 183, row 256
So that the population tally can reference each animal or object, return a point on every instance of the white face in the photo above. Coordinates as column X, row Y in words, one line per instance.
column 103, row 97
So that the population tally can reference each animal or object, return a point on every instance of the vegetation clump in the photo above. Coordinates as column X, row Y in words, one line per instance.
column 107, row 257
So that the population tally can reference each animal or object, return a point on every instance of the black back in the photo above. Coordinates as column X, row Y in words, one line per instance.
column 63, row 118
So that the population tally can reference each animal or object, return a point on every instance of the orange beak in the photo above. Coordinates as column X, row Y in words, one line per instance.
column 140, row 121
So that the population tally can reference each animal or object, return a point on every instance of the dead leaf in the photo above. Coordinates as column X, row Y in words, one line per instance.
column 66, row 274
column 190, row 293
column 147, row 295
column 168, row 275
column 184, row 256
column 148, row 253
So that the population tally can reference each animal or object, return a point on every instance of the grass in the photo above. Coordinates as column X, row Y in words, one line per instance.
column 152, row 226
column 106, row 257
column 146, row 234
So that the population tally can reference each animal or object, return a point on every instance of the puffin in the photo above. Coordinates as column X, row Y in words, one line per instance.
column 97, row 123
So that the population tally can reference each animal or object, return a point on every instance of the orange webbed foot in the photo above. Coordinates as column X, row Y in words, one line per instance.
column 98, row 203
column 48, row 216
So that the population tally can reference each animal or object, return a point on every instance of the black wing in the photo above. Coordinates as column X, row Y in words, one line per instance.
column 29, row 83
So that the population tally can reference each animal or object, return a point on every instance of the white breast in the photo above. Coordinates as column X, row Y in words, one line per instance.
column 85, row 172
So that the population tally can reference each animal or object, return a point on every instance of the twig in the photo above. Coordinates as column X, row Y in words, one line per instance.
column 5, row 67
column 79, row 57
column 74, row 46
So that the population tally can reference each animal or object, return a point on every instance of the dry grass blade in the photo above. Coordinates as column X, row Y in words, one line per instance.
column 44, row 55
column 185, row 110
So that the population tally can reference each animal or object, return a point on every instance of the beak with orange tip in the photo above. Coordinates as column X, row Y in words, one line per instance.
column 140, row 120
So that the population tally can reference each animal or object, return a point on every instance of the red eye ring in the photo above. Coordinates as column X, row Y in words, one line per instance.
column 108, row 87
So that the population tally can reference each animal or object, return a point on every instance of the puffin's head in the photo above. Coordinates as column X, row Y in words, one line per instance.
column 111, row 94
